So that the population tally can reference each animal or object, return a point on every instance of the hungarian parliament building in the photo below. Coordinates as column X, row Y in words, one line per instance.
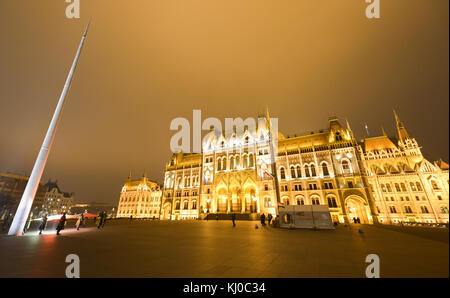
column 375, row 180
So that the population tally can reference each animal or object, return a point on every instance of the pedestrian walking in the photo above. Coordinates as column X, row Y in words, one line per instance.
column 100, row 222
column 269, row 219
column 43, row 224
column 233, row 219
column 263, row 219
column 104, row 219
column 79, row 221
column 61, row 224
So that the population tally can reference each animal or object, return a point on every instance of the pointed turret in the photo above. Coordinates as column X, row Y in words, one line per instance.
column 383, row 131
column 401, row 130
column 349, row 129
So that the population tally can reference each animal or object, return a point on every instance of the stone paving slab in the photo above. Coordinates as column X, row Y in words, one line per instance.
column 216, row 249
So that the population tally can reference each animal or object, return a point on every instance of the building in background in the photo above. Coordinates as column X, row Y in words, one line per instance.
column 93, row 208
column 12, row 187
column 372, row 180
column 140, row 199
column 56, row 201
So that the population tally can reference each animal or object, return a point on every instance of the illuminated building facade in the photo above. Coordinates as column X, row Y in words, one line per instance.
column 404, row 186
column 56, row 201
column 140, row 199
column 357, row 180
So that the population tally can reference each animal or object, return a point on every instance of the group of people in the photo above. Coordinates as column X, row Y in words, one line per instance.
column 263, row 219
column 80, row 222
column 356, row 220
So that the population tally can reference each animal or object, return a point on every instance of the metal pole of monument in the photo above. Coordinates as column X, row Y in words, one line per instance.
column 26, row 202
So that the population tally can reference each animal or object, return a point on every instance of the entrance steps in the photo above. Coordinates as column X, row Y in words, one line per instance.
column 227, row 216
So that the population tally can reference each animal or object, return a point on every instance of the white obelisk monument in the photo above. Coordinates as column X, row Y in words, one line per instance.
column 30, row 190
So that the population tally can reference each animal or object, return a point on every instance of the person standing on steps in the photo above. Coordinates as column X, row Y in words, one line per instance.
column 233, row 219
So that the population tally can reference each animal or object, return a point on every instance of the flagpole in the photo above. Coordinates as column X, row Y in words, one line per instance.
column 33, row 183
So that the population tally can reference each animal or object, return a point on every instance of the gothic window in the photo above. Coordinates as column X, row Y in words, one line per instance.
column 325, row 169
column 403, row 186
column 245, row 161
column 408, row 209
column 444, row 210
column 299, row 172
column 282, row 174
column 313, row 170
column 345, row 166
column 332, row 202
column 397, row 187
column 177, row 205
column 186, row 204
column 424, row 209
column 267, row 202
column 419, row 186
column 315, row 201
column 232, row 164
column 389, row 188
column 413, row 186
column 251, row 161
column 434, row 185
column 392, row 209
column 266, row 187
column 338, row 137
column 194, row 205
column 307, row 173
column 224, row 163
column 292, row 172
column 219, row 164
column 300, row 201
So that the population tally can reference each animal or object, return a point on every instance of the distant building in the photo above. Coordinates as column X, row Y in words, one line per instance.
column 56, row 201
column 12, row 187
column 93, row 208
column 140, row 199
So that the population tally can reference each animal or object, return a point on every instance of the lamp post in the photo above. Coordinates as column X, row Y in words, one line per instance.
column 33, row 183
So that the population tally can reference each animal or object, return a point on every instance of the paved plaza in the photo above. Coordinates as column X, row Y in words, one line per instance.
column 216, row 249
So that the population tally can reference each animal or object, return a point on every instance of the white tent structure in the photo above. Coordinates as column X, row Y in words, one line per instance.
column 305, row 216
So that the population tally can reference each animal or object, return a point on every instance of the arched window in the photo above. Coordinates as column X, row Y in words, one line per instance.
column 245, row 161
column 307, row 173
column 292, row 172
column 186, row 204
column 282, row 173
column 194, row 205
column 434, row 185
column 397, row 187
column 251, row 162
column 313, row 171
column 325, row 169
column 177, row 205
column 232, row 164
column 224, row 163
column 315, row 201
column 267, row 202
column 419, row 186
column 389, row 188
column 237, row 161
column 338, row 137
column 299, row 172
column 332, row 202
column 345, row 166
column 413, row 186
column 300, row 201
column 219, row 164
column 403, row 186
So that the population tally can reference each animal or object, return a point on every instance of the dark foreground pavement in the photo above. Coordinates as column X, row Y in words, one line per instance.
column 216, row 249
